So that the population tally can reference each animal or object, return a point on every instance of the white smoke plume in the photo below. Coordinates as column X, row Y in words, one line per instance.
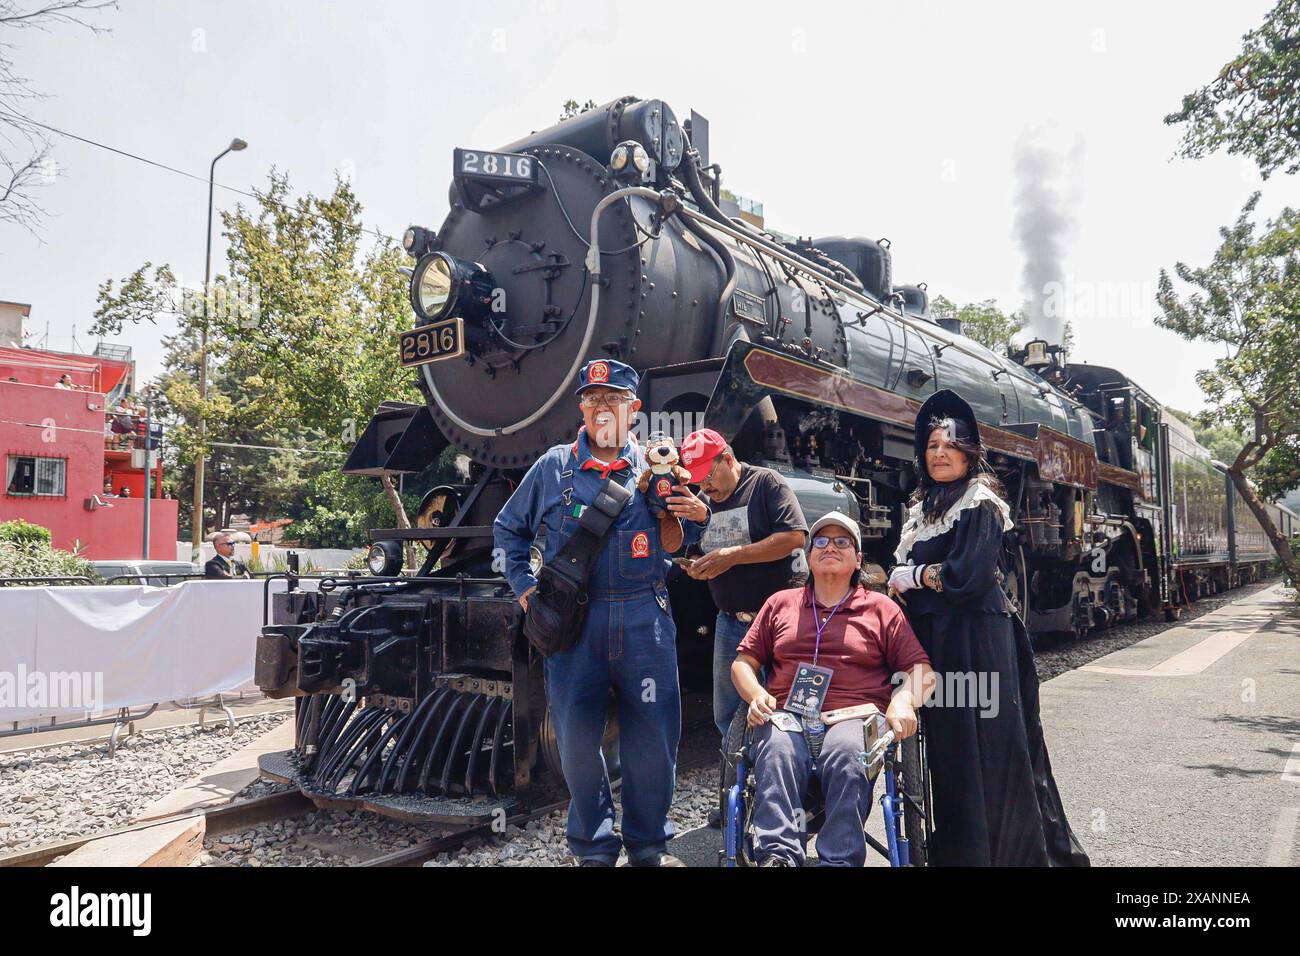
column 1048, row 187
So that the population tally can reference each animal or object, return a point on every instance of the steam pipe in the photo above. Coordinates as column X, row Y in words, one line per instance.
column 728, row 286
column 691, row 176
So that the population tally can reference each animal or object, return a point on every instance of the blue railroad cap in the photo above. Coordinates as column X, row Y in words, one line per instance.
column 609, row 373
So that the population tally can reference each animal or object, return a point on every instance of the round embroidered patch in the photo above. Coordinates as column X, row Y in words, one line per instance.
column 663, row 487
column 599, row 372
column 641, row 545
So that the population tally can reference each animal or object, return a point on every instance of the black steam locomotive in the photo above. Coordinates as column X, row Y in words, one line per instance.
column 607, row 235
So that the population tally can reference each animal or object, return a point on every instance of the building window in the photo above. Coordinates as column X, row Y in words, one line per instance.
column 29, row 476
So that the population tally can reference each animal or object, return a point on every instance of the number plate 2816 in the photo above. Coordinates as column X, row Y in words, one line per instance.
column 431, row 343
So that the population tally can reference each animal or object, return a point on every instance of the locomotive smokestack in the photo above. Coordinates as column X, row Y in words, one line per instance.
column 1044, row 175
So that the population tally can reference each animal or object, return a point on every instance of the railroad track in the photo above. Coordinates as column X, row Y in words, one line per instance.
column 251, row 812
column 228, row 818
column 257, row 811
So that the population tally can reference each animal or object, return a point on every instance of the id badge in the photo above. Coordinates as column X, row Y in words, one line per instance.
column 788, row 722
column 808, row 692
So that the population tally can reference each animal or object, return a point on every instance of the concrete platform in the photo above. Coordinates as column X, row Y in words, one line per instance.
column 168, row 844
column 1184, row 749
column 220, row 782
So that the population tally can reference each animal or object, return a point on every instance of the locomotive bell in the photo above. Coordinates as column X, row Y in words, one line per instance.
column 1036, row 356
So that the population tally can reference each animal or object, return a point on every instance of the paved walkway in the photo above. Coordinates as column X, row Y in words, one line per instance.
column 1184, row 749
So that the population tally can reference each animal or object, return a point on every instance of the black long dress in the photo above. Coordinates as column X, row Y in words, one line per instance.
column 995, row 801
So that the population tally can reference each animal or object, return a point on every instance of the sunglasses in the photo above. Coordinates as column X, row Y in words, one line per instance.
column 842, row 542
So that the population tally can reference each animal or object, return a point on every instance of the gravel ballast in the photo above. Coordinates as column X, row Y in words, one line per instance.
column 77, row 789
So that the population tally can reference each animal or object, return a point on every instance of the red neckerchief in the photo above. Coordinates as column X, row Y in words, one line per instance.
column 591, row 461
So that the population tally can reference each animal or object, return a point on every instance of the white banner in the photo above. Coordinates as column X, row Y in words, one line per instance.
column 81, row 651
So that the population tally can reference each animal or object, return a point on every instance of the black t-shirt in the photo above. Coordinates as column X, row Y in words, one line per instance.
column 761, row 505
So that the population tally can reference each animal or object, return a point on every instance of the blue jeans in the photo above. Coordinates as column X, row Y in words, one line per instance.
column 727, row 635
column 629, row 643
column 782, row 767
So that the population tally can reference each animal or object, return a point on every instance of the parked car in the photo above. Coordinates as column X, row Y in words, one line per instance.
column 156, row 573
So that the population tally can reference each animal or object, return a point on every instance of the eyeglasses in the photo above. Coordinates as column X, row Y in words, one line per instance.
column 610, row 401
column 708, row 479
column 842, row 542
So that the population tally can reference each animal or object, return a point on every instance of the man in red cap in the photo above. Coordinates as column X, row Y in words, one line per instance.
column 752, row 549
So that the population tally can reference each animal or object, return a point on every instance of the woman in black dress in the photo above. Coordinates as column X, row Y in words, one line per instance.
column 995, row 802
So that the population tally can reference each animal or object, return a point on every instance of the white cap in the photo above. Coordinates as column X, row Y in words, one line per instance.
column 842, row 520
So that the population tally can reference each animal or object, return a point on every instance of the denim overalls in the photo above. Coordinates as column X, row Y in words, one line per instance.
column 628, row 643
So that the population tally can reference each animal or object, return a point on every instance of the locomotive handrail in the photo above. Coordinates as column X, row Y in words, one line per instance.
column 902, row 318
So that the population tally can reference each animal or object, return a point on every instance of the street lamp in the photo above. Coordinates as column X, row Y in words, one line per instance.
column 196, row 520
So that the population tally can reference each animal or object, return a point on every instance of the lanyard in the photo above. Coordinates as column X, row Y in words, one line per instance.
column 822, row 625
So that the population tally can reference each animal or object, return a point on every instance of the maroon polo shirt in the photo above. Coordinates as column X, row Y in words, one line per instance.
column 866, row 642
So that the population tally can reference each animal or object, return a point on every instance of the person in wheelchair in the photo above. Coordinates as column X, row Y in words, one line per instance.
column 830, row 645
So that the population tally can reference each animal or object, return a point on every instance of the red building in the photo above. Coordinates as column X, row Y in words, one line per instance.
column 61, row 455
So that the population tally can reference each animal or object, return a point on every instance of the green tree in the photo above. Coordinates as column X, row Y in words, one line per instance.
column 982, row 321
column 1247, row 300
column 301, row 333
column 1252, row 106
column 1222, row 441
column 571, row 109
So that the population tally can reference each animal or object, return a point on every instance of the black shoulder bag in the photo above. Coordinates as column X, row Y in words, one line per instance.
column 557, row 610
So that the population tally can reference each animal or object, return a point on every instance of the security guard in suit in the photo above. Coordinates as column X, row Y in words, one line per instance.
column 628, row 641
column 223, row 564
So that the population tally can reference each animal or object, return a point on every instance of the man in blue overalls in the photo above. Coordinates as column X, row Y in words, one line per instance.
column 629, row 641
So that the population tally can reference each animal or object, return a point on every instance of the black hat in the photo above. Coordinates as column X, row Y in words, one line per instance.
column 944, row 403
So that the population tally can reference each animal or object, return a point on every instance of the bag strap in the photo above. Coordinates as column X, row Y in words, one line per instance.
column 577, row 557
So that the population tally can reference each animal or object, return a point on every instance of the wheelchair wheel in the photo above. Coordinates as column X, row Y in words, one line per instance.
column 727, row 779
column 915, row 795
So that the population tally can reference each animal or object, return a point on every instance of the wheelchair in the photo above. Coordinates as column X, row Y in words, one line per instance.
column 904, row 804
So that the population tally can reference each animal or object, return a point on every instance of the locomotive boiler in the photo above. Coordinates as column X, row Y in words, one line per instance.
column 606, row 236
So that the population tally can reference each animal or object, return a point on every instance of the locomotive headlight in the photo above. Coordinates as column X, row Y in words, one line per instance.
column 640, row 158
column 629, row 160
column 443, row 286
column 432, row 286
column 384, row 559
column 417, row 241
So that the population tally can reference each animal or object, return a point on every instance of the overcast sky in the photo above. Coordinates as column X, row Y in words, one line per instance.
column 876, row 119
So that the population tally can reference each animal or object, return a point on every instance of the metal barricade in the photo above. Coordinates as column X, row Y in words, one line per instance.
column 123, row 718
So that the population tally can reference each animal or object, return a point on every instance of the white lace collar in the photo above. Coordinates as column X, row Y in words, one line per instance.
column 914, row 530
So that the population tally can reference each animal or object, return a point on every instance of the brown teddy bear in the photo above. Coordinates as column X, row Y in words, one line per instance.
column 656, row 484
